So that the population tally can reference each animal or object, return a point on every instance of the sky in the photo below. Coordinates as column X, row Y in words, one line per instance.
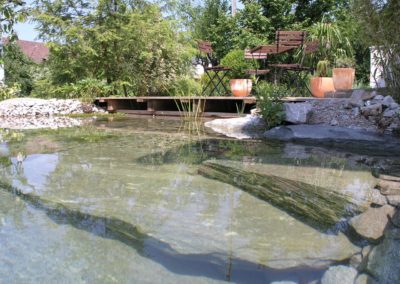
column 26, row 31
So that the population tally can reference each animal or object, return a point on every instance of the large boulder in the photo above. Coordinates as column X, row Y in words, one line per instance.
column 339, row 275
column 372, row 223
column 297, row 113
column 240, row 128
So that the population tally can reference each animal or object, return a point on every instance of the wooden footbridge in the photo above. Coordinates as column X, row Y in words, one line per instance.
column 178, row 106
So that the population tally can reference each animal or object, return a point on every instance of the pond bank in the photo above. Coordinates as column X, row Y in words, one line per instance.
column 32, row 113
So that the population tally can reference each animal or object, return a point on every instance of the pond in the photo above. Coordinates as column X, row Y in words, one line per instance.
column 123, row 201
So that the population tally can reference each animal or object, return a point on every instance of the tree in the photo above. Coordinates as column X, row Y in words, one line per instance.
column 11, row 11
column 18, row 68
column 379, row 20
column 128, row 44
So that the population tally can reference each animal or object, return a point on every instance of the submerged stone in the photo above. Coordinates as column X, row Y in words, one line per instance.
column 372, row 223
column 339, row 274
column 384, row 260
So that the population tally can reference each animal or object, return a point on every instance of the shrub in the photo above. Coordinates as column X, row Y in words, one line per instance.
column 345, row 62
column 9, row 92
column 85, row 90
column 235, row 60
column 185, row 86
column 269, row 102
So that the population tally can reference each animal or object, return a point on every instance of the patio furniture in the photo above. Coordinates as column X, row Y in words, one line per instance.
column 256, row 56
column 216, row 73
column 297, row 72
column 284, row 42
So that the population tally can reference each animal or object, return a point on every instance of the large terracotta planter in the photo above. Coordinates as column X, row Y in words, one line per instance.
column 241, row 87
column 321, row 85
column 343, row 78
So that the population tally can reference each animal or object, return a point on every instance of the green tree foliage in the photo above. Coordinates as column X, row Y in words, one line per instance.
column 380, row 28
column 214, row 24
column 11, row 11
column 19, row 69
column 127, row 44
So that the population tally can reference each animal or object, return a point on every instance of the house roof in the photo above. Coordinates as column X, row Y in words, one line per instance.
column 36, row 51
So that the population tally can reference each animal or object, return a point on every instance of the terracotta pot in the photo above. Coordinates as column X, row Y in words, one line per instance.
column 343, row 78
column 321, row 85
column 241, row 87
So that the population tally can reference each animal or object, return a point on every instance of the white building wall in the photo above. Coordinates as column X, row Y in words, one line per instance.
column 376, row 79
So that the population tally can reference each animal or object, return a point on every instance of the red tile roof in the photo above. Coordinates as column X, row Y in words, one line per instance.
column 36, row 51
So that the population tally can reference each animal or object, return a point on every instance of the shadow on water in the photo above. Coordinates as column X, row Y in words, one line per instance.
column 217, row 266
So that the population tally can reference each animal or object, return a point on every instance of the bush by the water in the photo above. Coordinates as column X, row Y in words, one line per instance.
column 269, row 102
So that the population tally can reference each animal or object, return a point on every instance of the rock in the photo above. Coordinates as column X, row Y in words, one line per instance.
column 389, row 113
column 379, row 97
column 372, row 110
column 393, row 200
column 387, row 101
column 377, row 198
column 389, row 187
column 297, row 113
column 334, row 122
column 364, row 279
column 30, row 107
column 356, row 260
column 339, row 275
column 396, row 219
column 384, row 259
column 359, row 96
column 388, row 177
column 372, row 223
column 355, row 111
column 321, row 132
column 365, row 251
column 355, row 103
column 315, row 205
column 394, row 106
column 240, row 128
column 283, row 282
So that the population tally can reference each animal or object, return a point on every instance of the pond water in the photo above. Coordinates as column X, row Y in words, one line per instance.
column 123, row 202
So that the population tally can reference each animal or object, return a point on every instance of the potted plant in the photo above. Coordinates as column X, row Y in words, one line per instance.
column 332, row 45
column 240, row 82
column 344, row 73
column 321, row 83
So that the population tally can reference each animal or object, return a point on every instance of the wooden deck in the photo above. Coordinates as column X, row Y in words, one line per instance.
column 175, row 106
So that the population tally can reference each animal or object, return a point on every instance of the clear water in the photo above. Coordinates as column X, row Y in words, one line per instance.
column 122, row 202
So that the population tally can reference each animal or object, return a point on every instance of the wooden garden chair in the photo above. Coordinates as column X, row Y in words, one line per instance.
column 215, row 72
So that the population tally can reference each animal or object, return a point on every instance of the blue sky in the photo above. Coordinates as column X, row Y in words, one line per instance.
column 27, row 31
